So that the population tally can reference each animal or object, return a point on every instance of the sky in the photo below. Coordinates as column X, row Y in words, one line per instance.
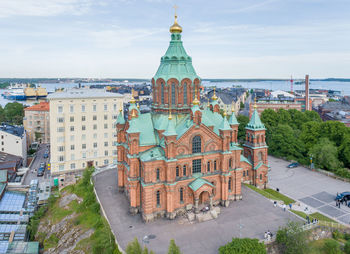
column 126, row 38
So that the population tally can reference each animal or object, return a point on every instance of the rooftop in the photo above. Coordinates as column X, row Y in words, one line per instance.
column 83, row 93
column 42, row 106
column 11, row 129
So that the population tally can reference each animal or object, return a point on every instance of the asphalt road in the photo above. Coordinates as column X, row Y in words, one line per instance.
column 250, row 217
column 312, row 188
column 32, row 171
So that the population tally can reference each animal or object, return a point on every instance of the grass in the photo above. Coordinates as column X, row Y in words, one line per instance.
column 316, row 215
column 51, row 242
column 271, row 194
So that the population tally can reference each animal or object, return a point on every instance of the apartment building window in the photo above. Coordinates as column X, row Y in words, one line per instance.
column 114, row 134
column 106, row 135
column 83, row 165
column 95, row 126
column 82, row 108
column 71, row 108
column 83, row 127
column 95, row 154
column 72, row 157
column 84, row 155
column 105, row 107
column 72, row 128
column 94, row 108
column 105, row 126
column 94, row 117
column 106, row 162
column 115, row 152
column 61, row 158
column 115, row 107
column 95, row 145
column 83, row 146
column 60, row 148
column 106, row 143
column 105, row 117
column 95, row 135
column 115, row 116
column 83, row 118
column 106, row 153
column 72, row 166
column 72, row 147
column 71, row 119
column 61, row 167
column 60, row 139
column 115, row 143
column 83, row 137
column 71, row 138
column 60, row 129
column 60, row 109
column 60, row 119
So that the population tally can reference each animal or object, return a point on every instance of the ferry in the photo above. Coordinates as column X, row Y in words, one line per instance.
column 16, row 94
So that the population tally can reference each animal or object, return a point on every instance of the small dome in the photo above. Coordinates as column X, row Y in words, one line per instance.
column 175, row 28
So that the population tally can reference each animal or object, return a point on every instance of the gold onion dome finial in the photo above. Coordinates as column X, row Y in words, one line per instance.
column 214, row 97
column 255, row 106
column 232, row 108
column 225, row 114
column 175, row 28
column 170, row 116
column 195, row 101
column 132, row 96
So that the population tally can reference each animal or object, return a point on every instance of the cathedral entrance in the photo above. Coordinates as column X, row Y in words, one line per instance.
column 204, row 198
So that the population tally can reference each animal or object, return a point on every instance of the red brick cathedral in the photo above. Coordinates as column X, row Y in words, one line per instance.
column 183, row 155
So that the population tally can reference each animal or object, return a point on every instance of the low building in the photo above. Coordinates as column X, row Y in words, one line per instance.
column 13, row 140
column 227, row 98
column 82, row 128
column 36, row 122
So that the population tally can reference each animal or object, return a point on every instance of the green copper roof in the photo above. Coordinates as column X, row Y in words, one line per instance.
column 224, row 126
column 233, row 119
column 245, row 160
column 120, row 119
column 155, row 153
column 255, row 122
column 170, row 129
column 199, row 182
column 176, row 63
column 133, row 126
column 195, row 108
column 258, row 166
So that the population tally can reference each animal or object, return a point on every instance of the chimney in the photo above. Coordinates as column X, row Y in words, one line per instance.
column 307, row 99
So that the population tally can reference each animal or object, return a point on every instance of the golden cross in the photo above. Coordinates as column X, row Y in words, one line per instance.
column 175, row 8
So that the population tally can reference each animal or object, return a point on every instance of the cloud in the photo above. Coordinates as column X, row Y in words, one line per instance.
column 10, row 8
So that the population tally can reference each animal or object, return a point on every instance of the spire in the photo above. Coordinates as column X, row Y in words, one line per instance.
column 170, row 117
column 255, row 106
column 132, row 101
column 224, row 126
column 195, row 101
column 120, row 119
column 175, row 28
column 214, row 97
column 255, row 122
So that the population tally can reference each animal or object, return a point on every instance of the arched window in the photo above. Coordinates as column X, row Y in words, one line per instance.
column 173, row 93
column 229, row 184
column 184, row 170
column 260, row 177
column 214, row 165
column 258, row 139
column 208, row 166
column 247, row 172
column 181, row 195
column 243, row 173
column 162, row 92
column 260, row 156
column 230, row 163
column 155, row 93
column 177, row 171
column 196, row 144
column 158, row 174
column 185, row 93
column 158, row 198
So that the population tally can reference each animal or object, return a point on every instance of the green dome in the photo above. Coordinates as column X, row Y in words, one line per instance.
column 176, row 63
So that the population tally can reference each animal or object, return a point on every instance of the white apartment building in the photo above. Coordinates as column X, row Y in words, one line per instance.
column 82, row 128
column 13, row 140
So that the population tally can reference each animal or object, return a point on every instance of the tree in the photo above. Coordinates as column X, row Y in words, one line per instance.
column 14, row 113
column 241, row 105
column 325, row 155
column 347, row 247
column 243, row 246
column 310, row 134
column 243, row 121
column 344, row 151
column 2, row 115
column 134, row 247
column 283, row 116
column 292, row 239
column 331, row 246
column 334, row 130
column 173, row 248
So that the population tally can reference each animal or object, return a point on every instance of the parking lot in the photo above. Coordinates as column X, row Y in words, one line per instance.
column 250, row 217
column 313, row 189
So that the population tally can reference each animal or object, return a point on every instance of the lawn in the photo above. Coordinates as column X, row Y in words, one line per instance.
column 271, row 194
column 316, row 215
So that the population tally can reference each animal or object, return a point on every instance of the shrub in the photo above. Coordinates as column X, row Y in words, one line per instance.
column 331, row 246
column 347, row 247
column 292, row 239
column 337, row 235
column 243, row 246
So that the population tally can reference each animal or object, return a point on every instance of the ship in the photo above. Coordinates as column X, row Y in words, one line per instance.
column 41, row 92
column 35, row 93
column 15, row 94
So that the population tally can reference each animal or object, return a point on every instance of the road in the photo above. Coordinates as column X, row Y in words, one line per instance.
column 32, row 171
column 312, row 188
column 249, row 217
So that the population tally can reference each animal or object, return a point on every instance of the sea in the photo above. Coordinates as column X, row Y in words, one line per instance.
column 342, row 86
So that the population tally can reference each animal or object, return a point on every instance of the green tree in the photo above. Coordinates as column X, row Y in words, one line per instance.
column 243, row 246
column 344, row 151
column 310, row 134
column 331, row 246
column 283, row 116
column 2, row 114
column 134, row 247
column 243, row 121
column 292, row 239
column 334, row 131
column 173, row 248
column 270, row 118
column 325, row 155
column 313, row 116
column 14, row 113
column 347, row 247
column 241, row 105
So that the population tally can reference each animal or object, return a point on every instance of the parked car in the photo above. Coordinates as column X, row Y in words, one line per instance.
column 293, row 165
column 344, row 196
column 40, row 172
column 46, row 155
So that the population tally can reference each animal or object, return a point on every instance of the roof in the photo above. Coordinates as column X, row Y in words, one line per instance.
column 245, row 160
column 233, row 120
column 224, row 126
column 3, row 176
column 176, row 63
column 22, row 247
column 83, row 93
column 170, row 129
column 14, row 130
column 199, row 182
column 255, row 122
column 120, row 119
column 42, row 106
column 155, row 153
column 6, row 157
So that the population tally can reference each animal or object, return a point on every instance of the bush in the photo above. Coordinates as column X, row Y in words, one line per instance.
column 292, row 239
column 243, row 246
column 347, row 247
column 337, row 235
column 331, row 246
column 346, row 236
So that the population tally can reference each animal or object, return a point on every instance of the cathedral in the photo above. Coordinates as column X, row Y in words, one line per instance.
column 181, row 155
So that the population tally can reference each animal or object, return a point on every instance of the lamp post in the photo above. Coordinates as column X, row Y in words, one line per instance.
column 311, row 163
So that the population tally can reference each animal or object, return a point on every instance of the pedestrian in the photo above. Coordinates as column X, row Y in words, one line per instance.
column 284, row 207
column 336, row 203
column 349, row 204
column 290, row 206
column 265, row 235
column 275, row 203
column 308, row 219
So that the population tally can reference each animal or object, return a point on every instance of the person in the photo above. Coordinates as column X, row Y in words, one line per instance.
column 277, row 189
column 275, row 203
column 290, row 206
column 284, row 207
column 265, row 235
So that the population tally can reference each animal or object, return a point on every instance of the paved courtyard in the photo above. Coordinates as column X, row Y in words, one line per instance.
column 250, row 217
column 314, row 189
